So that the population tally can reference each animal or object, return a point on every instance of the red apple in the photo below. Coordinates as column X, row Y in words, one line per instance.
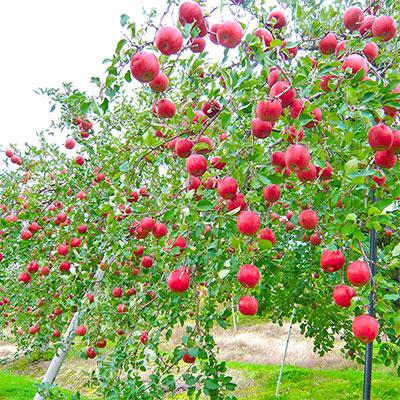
column 315, row 239
column 80, row 330
column 248, row 305
column 159, row 83
column 188, row 359
column 183, row 148
column 165, row 108
column 384, row 27
column 371, row 51
column 264, row 35
column 196, row 165
column 352, row 18
column 343, row 294
column 90, row 352
column 178, row 280
column 297, row 157
column 24, row 277
column 160, row 230
column 267, row 234
column 248, row 223
column 279, row 17
column 328, row 44
column 144, row 66
column 358, row 273
column 70, row 143
column 261, row 129
column 332, row 260
column 354, row 62
column 229, row 34
column 197, row 45
column 227, row 187
column 146, row 262
column 169, row 40
column 26, row 234
column 365, row 328
column 380, row 137
column 269, row 110
column 272, row 193
column 281, row 91
column 385, row 159
column 308, row 219
column 248, row 275
column 190, row 12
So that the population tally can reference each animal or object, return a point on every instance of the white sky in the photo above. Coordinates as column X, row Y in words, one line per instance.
column 46, row 42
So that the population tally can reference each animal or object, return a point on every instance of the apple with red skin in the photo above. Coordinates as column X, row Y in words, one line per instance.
column 160, row 230
column 56, row 333
column 324, row 83
column 188, row 359
column 197, row 45
column 380, row 137
column 352, row 18
column 33, row 227
column 366, row 25
column 227, row 187
column 317, row 118
column 179, row 280
column 365, row 328
column 229, row 34
column 332, row 260
column 147, row 223
column 9, row 153
column 80, row 160
column 279, row 17
column 328, row 44
column 34, row 329
column 274, row 76
column 183, row 148
column 146, row 262
column 211, row 108
column 80, row 330
column 82, row 229
column 384, row 28
column 282, row 91
column 159, row 83
column 144, row 66
column 248, row 223
column 296, row 108
column 101, row 343
column 297, row 157
column 122, row 308
column 144, row 337
column 389, row 110
column 189, row 12
column 261, row 129
column 65, row 266
column 236, row 202
column 62, row 249
column 90, row 352
column 307, row 175
column 217, row 163
column 278, row 159
column 385, row 159
column 371, row 51
column 196, row 165
column 33, row 267
column 169, row 40
column 212, row 34
column 44, row 271
column 264, row 35
column 308, row 219
column 267, row 234
column 395, row 147
column 70, row 143
column 139, row 251
column 248, row 305
column 165, row 108
column 75, row 242
column 26, row 234
column 343, row 294
column 248, row 275
column 380, row 179
column 269, row 110
column 24, row 277
column 355, row 62
column 117, row 292
column 358, row 273
column 272, row 193
column 315, row 239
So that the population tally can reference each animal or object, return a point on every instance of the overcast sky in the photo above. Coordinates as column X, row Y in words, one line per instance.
column 46, row 42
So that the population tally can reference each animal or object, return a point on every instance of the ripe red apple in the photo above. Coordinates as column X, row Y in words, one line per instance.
column 248, row 223
column 236, row 202
column 297, row 157
column 82, row 229
column 267, row 234
column 324, row 83
column 65, row 266
column 122, row 308
column 33, row 267
column 248, row 275
column 144, row 337
column 365, row 328
column 80, row 330
column 281, row 91
column 385, row 159
column 101, row 343
column 117, row 292
column 272, row 193
column 217, row 163
column 248, row 305
column 183, row 148
column 159, row 83
column 196, row 165
column 75, row 242
column 9, row 153
column 26, row 234
column 380, row 179
column 352, row 18
column 343, row 294
column 90, row 352
column 355, row 62
column 340, row 49
column 160, row 230
column 178, row 280
column 227, row 187
column 146, row 262
column 317, row 118
column 278, row 159
column 197, row 45
column 395, row 147
column 328, row 44
column 358, row 273
column 139, row 251
column 165, row 108
column 211, row 108
column 315, row 239
column 34, row 329
column 213, row 33
column 70, row 143
column 264, row 35
column 188, row 359
column 307, row 175
column 366, row 25
column 80, row 160
column 325, row 173
column 308, row 219
column 279, row 17
column 24, row 277
column 371, row 51
column 34, row 227
column 269, row 110
column 380, row 137
column 189, row 12
column 296, row 108
column 144, row 66
column 332, row 260
column 229, row 34
column 261, row 129
column 56, row 333
column 384, row 27
column 169, row 40
column 62, row 249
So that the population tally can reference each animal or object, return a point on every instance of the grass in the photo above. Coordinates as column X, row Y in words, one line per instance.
column 258, row 382
column 19, row 387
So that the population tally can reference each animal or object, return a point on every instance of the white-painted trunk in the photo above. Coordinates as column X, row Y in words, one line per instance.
column 285, row 353
column 66, row 342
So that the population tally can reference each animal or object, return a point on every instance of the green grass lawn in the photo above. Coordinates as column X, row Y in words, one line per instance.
column 259, row 382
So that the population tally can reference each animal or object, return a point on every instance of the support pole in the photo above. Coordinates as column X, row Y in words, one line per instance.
column 285, row 352
column 66, row 342
column 371, row 311
column 234, row 316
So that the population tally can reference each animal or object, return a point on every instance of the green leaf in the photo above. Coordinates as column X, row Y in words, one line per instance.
column 124, row 19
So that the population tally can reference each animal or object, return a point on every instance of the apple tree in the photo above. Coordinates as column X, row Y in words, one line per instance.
column 236, row 157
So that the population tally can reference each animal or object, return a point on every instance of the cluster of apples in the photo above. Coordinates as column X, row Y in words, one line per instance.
column 13, row 157
column 365, row 327
column 385, row 143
